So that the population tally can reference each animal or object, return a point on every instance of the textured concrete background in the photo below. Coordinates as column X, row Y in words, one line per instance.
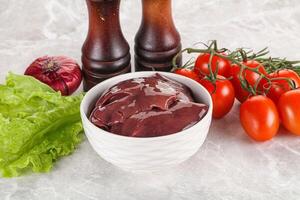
column 229, row 165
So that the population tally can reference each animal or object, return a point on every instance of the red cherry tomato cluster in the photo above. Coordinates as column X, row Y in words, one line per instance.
column 267, row 100
column 275, row 97
column 221, row 89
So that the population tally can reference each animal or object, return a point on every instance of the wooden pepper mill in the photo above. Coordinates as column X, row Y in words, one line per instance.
column 105, row 52
column 157, row 40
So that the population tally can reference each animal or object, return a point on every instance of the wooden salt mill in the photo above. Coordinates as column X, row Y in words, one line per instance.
column 157, row 40
column 105, row 52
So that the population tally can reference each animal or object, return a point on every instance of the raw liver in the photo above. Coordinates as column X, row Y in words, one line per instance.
column 147, row 107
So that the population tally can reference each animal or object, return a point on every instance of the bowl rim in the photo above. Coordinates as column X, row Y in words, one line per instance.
column 144, row 74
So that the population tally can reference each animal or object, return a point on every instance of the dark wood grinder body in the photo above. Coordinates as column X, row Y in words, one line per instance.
column 157, row 40
column 105, row 52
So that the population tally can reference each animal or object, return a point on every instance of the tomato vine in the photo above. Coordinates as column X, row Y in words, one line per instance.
column 239, row 56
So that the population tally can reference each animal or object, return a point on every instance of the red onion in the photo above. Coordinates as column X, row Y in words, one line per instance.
column 59, row 72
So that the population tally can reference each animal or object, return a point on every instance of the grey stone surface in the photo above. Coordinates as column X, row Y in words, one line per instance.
column 229, row 166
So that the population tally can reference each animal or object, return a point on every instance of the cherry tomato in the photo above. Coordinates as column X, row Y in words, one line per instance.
column 259, row 118
column 251, row 77
column 187, row 73
column 222, row 95
column 289, row 110
column 279, row 87
column 223, row 65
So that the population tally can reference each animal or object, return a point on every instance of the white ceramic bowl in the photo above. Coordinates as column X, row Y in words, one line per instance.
column 146, row 154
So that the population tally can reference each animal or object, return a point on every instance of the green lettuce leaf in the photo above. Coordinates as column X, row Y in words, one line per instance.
column 37, row 125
